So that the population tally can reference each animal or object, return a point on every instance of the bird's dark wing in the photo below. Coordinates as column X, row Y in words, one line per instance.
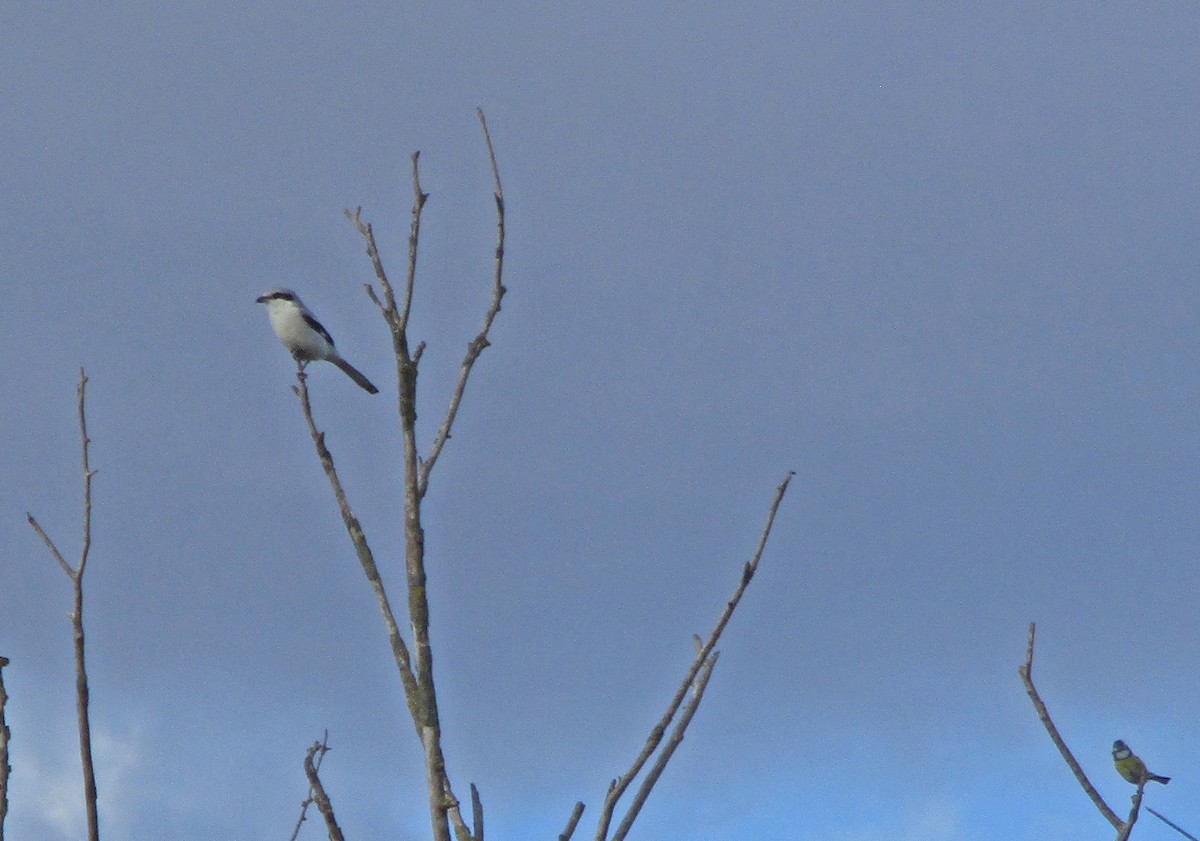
column 316, row 325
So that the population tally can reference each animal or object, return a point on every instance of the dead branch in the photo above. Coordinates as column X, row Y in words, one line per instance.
column 322, row 748
column 416, row 669
column 76, row 617
column 1173, row 826
column 664, row 756
column 704, row 661
column 324, row 806
column 366, row 557
column 572, row 822
column 5, row 735
column 480, row 342
column 1127, row 827
column 418, row 675
column 476, row 813
column 1026, row 673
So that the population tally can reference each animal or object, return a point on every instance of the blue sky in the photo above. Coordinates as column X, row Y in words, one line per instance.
column 937, row 258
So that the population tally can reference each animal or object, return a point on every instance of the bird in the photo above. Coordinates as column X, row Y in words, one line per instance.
column 303, row 335
column 1132, row 768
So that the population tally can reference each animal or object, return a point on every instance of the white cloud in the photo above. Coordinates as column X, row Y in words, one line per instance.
column 46, row 787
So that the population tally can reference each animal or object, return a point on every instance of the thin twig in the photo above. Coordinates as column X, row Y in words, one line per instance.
column 480, row 342
column 1173, row 826
column 322, row 749
column 1026, row 673
column 5, row 736
column 66, row 567
column 619, row 785
column 368, row 234
column 572, row 822
column 76, row 616
column 324, row 805
column 414, row 235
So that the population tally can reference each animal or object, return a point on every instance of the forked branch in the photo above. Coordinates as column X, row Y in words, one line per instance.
column 75, row 574
column 696, row 679
column 366, row 557
column 324, row 805
column 320, row 749
column 668, row 749
column 477, row 345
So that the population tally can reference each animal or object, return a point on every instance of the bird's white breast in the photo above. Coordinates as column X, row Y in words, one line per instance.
column 287, row 320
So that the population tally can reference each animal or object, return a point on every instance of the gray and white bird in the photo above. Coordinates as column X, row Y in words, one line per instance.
column 303, row 335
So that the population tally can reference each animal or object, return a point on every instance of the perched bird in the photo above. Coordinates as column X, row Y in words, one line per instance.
column 1132, row 768
column 303, row 335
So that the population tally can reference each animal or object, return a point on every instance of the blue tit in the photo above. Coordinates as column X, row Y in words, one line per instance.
column 1132, row 768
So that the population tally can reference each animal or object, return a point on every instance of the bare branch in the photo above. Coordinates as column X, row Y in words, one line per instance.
column 476, row 813
column 66, row 567
column 618, row 787
column 1173, row 826
column 1127, row 827
column 5, row 736
column 76, row 616
column 1026, row 673
column 366, row 557
column 370, row 290
column 664, row 756
column 480, row 342
column 318, row 793
column 572, row 822
column 368, row 234
column 322, row 748
column 88, row 473
column 414, row 235
column 448, row 801
column 454, row 810
column 487, row 137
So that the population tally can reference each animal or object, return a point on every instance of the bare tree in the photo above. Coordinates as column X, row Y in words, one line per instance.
column 415, row 663
column 75, row 574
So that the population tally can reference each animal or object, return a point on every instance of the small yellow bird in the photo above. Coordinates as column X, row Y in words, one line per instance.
column 1132, row 768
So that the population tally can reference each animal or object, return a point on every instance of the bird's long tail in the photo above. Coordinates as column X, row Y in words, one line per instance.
column 354, row 374
column 1155, row 778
